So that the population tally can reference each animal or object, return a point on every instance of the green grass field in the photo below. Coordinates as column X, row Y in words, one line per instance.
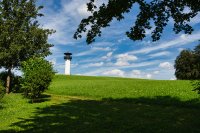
column 105, row 105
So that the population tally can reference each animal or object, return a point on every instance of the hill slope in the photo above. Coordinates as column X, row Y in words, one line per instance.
column 107, row 87
column 105, row 105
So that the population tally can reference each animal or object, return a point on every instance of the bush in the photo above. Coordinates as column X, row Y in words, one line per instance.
column 37, row 75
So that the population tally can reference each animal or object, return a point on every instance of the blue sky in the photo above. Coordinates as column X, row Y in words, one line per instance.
column 113, row 54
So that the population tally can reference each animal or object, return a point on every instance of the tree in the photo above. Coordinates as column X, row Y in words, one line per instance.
column 187, row 65
column 37, row 76
column 20, row 34
column 158, row 11
column 196, row 84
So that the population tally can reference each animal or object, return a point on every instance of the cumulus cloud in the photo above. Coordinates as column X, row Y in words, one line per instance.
column 139, row 74
column 65, row 20
column 166, row 65
column 114, row 72
column 124, row 59
column 107, row 56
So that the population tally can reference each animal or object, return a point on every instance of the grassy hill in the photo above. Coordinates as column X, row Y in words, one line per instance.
column 104, row 104
column 109, row 87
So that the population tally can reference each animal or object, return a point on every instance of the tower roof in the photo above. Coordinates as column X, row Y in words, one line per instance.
column 68, row 53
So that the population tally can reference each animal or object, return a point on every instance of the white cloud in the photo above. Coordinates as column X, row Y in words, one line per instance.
column 159, row 54
column 101, row 48
column 64, row 20
column 107, row 56
column 136, row 72
column 82, row 10
column 122, row 63
column 95, row 64
column 166, row 65
column 181, row 40
column 124, row 59
column 93, row 50
column 137, row 65
column 148, row 76
column 156, row 72
column 121, row 40
column 139, row 74
column 103, row 44
column 114, row 72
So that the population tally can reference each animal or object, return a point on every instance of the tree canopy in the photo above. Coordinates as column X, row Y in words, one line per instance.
column 20, row 34
column 187, row 64
column 158, row 11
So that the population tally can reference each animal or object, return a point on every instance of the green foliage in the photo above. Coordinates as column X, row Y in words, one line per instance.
column 157, row 11
column 37, row 76
column 187, row 64
column 21, row 36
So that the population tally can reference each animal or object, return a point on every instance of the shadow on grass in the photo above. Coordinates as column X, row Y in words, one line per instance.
column 161, row 114
column 42, row 98
column 1, row 105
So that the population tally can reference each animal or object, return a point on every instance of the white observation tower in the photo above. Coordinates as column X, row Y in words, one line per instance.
column 68, row 59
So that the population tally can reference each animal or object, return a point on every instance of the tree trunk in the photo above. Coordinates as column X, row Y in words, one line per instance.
column 8, row 81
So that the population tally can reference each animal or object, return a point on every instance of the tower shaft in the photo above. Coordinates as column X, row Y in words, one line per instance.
column 67, row 67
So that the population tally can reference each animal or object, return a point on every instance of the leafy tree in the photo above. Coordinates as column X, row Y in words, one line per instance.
column 37, row 75
column 187, row 64
column 196, row 84
column 158, row 11
column 20, row 34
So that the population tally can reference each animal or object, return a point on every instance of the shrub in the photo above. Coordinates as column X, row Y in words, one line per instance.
column 37, row 75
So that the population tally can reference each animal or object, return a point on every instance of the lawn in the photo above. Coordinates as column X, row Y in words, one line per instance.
column 103, row 104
